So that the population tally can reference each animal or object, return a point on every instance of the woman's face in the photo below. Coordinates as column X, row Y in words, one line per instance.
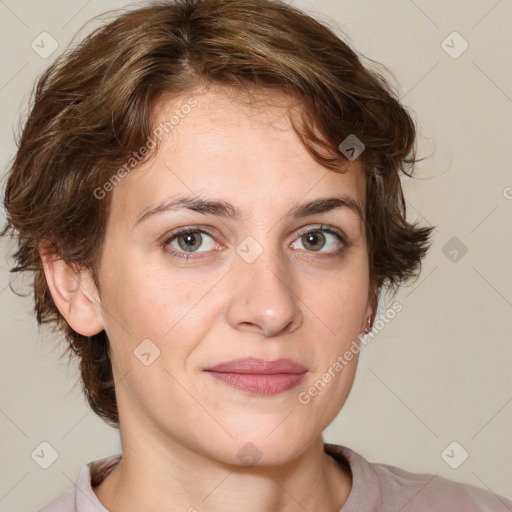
column 255, row 285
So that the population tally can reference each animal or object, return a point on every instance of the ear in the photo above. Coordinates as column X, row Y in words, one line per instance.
column 74, row 293
column 371, row 311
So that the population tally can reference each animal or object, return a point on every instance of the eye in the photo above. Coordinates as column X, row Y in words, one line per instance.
column 188, row 240
column 184, row 243
column 317, row 238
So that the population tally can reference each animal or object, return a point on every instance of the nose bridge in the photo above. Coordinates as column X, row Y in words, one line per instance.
column 265, row 298
column 265, row 263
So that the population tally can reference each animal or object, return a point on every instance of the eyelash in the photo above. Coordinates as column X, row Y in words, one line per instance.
column 190, row 256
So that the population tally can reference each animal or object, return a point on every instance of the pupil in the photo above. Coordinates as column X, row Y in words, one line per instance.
column 314, row 237
column 189, row 241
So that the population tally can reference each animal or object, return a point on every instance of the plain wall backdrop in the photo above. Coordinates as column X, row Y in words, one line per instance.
column 439, row 371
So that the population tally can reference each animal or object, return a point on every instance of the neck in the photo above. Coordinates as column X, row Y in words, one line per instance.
column 178, row 479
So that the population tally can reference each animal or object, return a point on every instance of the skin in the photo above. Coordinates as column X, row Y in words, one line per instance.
column 177, row 422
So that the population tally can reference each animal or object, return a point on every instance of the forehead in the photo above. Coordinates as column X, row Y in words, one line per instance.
column 234, row 147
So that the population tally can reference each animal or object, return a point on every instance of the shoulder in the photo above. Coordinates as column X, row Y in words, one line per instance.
column 388, row 488
column 84, row 499
column 432, row 492
column 64, row 503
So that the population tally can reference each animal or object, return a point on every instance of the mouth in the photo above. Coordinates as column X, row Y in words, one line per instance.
column 258, row 376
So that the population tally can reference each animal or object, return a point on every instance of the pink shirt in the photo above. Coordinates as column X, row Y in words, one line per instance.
column 375, row 488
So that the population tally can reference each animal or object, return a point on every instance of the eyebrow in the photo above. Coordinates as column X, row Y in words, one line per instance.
column 224, row 209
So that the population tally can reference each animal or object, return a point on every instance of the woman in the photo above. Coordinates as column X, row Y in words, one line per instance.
column 209, row 194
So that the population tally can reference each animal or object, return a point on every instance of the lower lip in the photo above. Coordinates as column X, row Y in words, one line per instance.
column 260, row 384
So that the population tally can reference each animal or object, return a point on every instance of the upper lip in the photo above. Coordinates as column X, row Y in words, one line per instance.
column 258, row 366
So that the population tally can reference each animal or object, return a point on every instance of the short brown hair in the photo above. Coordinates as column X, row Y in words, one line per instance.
column 93, row 107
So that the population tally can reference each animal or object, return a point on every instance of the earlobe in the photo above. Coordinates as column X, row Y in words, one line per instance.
column 369, row 317
column 74, row 294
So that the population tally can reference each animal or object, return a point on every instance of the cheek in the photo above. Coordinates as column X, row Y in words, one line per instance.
column 340, row 303
column 338, row 309
column 151, row 303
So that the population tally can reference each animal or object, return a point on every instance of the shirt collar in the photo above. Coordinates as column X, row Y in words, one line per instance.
column 364, row 493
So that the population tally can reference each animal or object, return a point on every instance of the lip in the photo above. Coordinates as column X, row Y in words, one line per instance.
column 258, row 376
column 260, row 366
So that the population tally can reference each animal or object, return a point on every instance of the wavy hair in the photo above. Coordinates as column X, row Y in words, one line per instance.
column 94, row 106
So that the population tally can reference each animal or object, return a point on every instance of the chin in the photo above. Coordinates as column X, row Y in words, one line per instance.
column 268, row 447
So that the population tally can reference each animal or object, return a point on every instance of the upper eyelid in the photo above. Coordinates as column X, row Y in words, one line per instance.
column 323, row 227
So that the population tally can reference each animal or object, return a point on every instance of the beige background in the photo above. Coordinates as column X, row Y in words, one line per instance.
column 440, row 370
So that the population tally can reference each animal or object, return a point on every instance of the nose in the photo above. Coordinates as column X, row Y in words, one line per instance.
column 264, row 300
